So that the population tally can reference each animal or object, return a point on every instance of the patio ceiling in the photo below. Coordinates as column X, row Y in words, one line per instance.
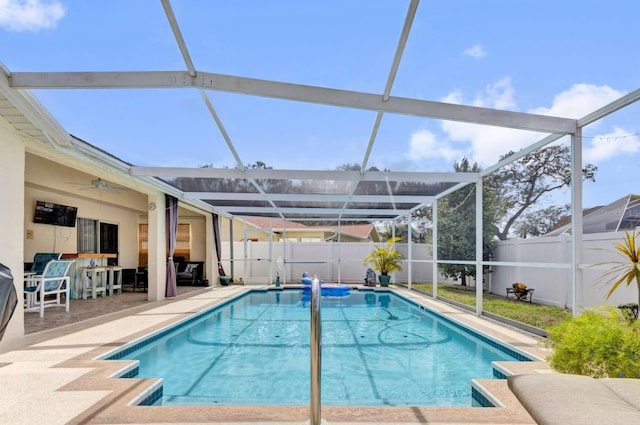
column 296, row 194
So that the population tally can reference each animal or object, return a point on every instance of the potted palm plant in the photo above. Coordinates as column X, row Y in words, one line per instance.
column 385, row 260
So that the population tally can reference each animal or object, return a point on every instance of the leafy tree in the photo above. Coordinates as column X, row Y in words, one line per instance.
column 457, row 227
column 200, row 184
column 539, row 222
column 419, row 231
column 524, row 182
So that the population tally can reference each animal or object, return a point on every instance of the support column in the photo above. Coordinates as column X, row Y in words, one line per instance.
column 576, row 218
column 479, row 247
column 210, row 254
column 409, row 252
column 339, row 252
column 434, row 248
column 157, row 263
column 231, row 253
column 12, row 215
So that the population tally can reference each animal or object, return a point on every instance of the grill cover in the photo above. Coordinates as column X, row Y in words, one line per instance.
column 8, row 298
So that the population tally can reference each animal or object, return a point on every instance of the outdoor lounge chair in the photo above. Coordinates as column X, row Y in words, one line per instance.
column 54, row 281
column 563, row 399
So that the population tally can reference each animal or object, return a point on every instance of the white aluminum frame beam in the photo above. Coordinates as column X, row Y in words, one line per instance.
column 337, row 175
column 522, row 152
column 402, row 43
column 576, row 219
column 294, row 92
column 479, row 247
column 31, row 108
column 306, row 197
column 318, row 211
column 612, row 107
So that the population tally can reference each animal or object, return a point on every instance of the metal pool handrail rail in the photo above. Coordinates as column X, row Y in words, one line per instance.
column 316, row 352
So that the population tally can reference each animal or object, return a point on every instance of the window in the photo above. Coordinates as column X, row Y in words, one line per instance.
column 87, row 236
column 183, row 242
column 308, row 239
column 96, row 237
column 143, row 244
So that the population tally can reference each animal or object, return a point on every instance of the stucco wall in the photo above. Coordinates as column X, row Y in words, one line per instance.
column 12, row 219
column 51, row 182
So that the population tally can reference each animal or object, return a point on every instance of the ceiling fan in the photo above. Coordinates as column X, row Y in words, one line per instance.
column 103, row 185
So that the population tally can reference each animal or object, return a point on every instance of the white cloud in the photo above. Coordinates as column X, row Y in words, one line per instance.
column 487, row 143
column 476, row 51
column 498, row 95
column 580, row 100
column 619, row 142
column 30, row 15
column 424, row 145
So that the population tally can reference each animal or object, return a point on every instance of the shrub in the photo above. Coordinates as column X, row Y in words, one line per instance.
column 599, row 343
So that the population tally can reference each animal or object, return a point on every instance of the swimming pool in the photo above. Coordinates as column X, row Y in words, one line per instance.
column 378, row 348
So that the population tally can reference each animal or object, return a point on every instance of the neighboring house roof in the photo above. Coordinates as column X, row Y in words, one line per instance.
column 274, row 223
column 357, row 230
column 622, row 214
column 365, row 231
column 564, row 221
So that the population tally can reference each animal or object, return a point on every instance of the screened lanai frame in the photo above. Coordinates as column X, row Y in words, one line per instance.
column 347, row 195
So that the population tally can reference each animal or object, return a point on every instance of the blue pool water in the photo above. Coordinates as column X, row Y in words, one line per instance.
column 377, row 349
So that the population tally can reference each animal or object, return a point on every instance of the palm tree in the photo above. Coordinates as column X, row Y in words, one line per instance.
column 627, row 270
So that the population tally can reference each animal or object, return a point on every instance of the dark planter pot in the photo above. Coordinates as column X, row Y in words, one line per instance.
column 225, row 280
column 384, row 279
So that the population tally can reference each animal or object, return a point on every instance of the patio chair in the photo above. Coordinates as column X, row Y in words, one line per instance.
column 142, row 278
column 54, row 281
column 40, row 260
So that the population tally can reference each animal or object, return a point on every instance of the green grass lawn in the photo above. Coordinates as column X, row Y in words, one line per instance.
column 540, row 316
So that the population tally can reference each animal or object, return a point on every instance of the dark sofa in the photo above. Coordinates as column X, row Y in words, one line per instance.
column 189, row 272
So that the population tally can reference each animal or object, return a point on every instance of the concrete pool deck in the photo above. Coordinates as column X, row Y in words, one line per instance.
column 55, row 379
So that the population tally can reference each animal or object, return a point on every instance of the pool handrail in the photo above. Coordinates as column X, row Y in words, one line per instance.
column 316, row 353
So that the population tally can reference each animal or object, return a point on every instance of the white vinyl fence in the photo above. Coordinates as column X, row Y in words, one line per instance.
column 330, row 261
column 342, row 262
column 553, row 284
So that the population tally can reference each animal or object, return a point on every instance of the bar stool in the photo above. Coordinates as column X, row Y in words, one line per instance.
column 115, row 279
column 94, row 281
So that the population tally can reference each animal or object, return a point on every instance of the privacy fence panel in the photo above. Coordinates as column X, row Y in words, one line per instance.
column 553, row 286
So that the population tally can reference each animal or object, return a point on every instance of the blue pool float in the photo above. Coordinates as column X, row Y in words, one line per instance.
column 326, row 289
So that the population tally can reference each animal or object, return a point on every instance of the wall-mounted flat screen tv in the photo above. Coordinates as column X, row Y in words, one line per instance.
column 59, row 215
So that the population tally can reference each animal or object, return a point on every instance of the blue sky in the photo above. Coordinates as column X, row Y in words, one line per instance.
column 561, row 58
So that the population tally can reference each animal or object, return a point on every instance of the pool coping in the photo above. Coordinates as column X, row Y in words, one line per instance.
column 108, row 400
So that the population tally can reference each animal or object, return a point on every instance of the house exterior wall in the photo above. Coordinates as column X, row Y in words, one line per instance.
column 225, row 229
column 51, row 182
column 12, row 165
